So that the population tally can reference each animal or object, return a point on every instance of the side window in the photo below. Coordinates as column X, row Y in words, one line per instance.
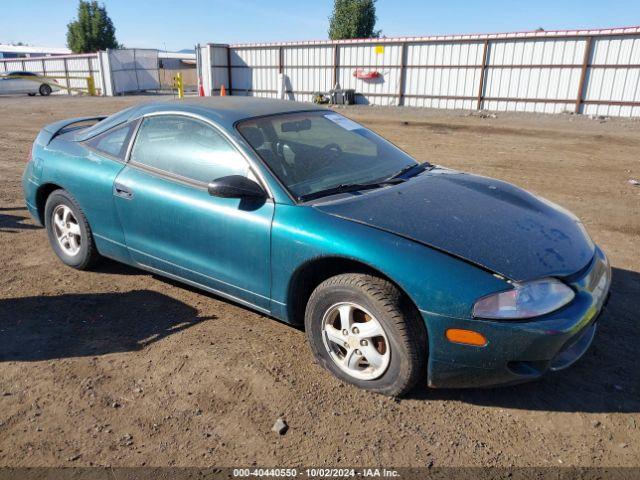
column 186, row 147
column 113, row 142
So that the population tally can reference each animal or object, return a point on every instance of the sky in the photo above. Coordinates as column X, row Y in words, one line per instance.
column 180, row 24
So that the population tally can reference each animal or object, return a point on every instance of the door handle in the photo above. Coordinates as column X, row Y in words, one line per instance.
column 121, row 191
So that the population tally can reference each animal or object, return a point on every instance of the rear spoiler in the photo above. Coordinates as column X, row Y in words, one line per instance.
column 49, row 132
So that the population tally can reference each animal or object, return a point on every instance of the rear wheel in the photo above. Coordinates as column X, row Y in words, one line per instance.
column 45, row 90
column 365, row 331
column 69, row 232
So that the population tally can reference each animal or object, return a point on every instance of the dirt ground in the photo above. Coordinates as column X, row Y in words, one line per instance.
column 119, row 367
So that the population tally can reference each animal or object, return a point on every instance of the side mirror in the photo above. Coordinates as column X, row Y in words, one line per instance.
column 235, row 186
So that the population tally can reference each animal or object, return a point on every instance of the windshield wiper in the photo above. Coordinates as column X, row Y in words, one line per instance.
column 415, row 168
column 347, row 187
column 394, row 179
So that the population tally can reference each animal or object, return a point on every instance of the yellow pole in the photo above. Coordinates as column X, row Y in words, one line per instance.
column 91, row 86
column 180, row 85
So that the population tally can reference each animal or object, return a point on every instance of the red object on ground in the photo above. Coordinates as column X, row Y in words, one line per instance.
column 366, row 74
column 223, row 91
column 200, row 88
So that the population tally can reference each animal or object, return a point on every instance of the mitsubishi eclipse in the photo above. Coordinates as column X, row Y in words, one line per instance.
column 401, row 272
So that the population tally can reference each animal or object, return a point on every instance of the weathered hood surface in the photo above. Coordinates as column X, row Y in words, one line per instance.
column 485, row 221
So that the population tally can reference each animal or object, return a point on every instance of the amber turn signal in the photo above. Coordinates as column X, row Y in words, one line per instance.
column 466, row 337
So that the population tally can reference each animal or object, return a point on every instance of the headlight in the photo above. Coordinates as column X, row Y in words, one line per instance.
column 525, row 300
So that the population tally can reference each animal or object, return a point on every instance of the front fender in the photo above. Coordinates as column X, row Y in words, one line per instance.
column 435, row 281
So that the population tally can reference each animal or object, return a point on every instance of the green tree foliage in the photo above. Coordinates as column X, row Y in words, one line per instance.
column 353, row 19
column 93, row 30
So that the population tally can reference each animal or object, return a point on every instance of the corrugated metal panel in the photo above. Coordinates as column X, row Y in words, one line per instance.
column 445, row 54
column 261, row 79
column 385, row 60
column 220, row 78
column 255, row 81
column 545, row 70
column 590, row 71
column 440, row 69
column 134, row 69
column 203, row 64
column 308, row 56
column 635, row 30
column 307, row 70
column 60, row 68
column 442, row 81
column 609, row 82
column 309, row 80
column 219, row 71
column 219, row 55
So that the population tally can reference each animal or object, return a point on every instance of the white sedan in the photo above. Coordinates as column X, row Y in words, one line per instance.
column 26, row 82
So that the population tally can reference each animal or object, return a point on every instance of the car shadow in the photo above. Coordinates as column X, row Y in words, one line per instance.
column 606, row 379
column 89, row 324
column 113, row 267
column 13, row 223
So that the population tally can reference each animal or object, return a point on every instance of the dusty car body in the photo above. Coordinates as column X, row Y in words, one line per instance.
column 401, row 275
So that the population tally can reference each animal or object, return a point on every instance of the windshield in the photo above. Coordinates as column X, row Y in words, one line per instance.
column 311, row 152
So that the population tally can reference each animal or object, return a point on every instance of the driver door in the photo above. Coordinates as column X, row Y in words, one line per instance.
column 174, row 226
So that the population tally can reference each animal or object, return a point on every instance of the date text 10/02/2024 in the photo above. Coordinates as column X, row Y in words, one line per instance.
column 315, row 472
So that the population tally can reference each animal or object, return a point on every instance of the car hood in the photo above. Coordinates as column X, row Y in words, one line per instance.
column 487, row 222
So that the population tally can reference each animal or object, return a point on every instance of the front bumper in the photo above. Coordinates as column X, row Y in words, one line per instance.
column 518, row 351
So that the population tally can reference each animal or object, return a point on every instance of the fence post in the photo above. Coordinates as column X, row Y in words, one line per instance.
column 583, row 73
column 403, row 68
column 135, row 69
column 229, row 70
column 483, row 70
column 66, row 75
column 335, row 66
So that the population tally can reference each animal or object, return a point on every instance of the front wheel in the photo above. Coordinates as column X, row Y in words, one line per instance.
column 69, row 232
column 366, row 332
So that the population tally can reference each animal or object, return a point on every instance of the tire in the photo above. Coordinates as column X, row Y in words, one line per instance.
column 85, row 254
column 31, row 94
column 45, row 90
column 404, row 333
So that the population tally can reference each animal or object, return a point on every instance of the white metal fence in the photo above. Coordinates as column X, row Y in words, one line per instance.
column 130, row 70
column 69, row 71
column 586, row 71
column 114, row 71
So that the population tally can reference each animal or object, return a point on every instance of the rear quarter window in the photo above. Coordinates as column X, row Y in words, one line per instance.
column 114, row 142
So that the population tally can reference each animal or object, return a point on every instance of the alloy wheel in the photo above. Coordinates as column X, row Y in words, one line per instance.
column 67, row 230
column 356, row 341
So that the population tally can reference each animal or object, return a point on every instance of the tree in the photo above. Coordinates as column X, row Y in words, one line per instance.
column 92, row 31
column 353, row 19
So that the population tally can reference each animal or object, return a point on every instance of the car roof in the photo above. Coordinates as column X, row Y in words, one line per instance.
column 223, row 111
column 228, row 110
